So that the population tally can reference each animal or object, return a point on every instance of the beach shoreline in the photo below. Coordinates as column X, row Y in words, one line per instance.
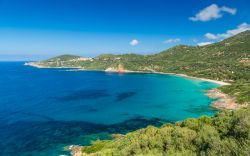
column 34, row 64
column 112, row 70
column 221, row 83
column 222, row 100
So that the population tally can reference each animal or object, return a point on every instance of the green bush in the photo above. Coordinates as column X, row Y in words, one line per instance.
column 228, row 133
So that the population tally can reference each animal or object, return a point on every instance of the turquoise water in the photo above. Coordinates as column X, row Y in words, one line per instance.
column 44, row 110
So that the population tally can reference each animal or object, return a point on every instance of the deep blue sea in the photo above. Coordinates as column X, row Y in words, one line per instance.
column 44, row 110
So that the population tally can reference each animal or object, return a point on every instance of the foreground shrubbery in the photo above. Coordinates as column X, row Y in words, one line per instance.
column 228, row 133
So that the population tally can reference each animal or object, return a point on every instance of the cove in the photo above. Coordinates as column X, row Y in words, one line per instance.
column 44, row 110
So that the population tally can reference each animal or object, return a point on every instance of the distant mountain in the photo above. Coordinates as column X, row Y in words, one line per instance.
column 66, row 57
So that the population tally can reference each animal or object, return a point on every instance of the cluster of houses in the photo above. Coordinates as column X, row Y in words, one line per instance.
column 83, row 59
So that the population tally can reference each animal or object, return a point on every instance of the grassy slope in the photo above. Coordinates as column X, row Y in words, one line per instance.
column 216, row 61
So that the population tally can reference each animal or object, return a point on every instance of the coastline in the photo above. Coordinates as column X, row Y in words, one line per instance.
column 222, row 102
column 112, row 70
column 34, row 64
column 221, row 83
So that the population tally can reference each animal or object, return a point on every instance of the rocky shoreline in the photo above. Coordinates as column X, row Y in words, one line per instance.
column 34, row 64
column 75, row 150
column 223, row 101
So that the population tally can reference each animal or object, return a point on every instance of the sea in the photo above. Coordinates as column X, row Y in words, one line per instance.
column 43, row 111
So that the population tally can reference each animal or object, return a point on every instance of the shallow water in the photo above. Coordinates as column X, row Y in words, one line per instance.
column 44, row 110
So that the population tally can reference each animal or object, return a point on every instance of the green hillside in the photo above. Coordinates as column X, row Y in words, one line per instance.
column 227, row 60
column 60, row 61
column 222, row 60
column 63, row 58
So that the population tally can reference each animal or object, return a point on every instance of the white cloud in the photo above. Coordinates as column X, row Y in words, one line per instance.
column 172, row 40
column 210, row 36
column 229, row 10
column 204, row 43
column 240, row 28
column 134, row 42
column 212, row 12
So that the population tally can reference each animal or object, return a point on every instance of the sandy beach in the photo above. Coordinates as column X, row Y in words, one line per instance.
column 221, row 83
column 204, row 79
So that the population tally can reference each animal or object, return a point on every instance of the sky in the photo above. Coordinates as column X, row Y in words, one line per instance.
column 39, row 29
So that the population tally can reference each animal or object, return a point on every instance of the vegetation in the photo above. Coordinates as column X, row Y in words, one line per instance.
column 228, row 133
column 239, row 89
column 63, row 58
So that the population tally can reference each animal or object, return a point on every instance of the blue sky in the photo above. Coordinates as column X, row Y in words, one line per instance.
column 38, row 29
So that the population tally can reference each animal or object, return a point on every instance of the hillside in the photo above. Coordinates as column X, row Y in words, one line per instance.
column 226, row 60
column 222, row 60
